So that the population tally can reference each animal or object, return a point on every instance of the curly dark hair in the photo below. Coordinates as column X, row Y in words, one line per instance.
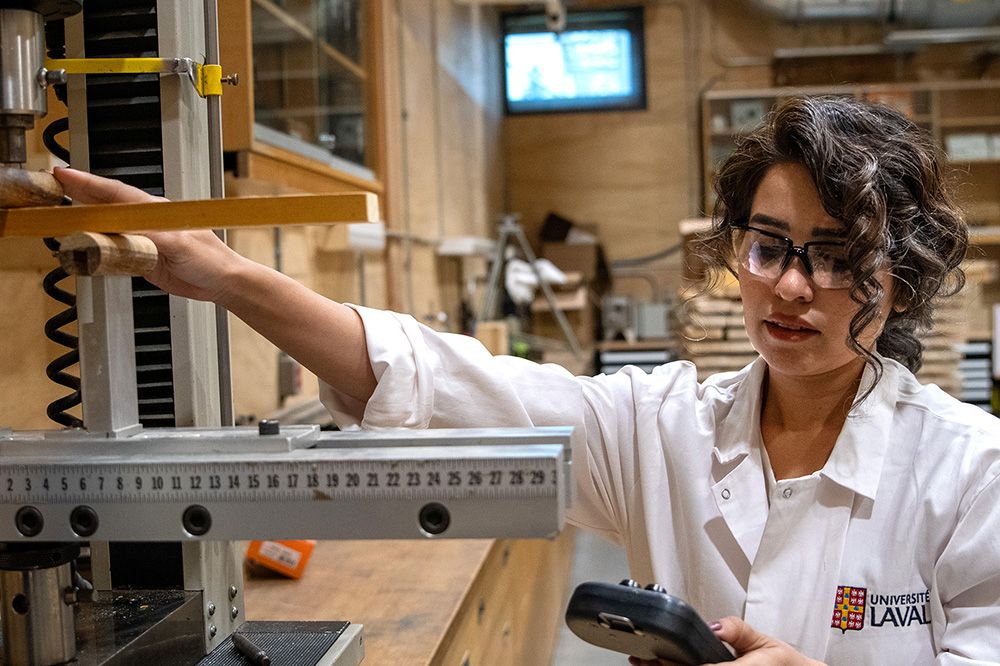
column 879, row 173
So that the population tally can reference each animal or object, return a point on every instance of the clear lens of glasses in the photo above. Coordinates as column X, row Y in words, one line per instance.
column 764, row 256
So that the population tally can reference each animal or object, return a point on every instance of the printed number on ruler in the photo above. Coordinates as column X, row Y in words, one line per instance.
column 284, row 481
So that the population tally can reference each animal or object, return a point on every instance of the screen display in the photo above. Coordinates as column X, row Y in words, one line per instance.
column 585, row 68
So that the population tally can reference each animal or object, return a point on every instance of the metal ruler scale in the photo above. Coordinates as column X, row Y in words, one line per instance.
column 318, row 477
column 454, row 483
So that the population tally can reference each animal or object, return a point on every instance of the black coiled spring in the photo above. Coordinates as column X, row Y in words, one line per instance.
column 58, row 410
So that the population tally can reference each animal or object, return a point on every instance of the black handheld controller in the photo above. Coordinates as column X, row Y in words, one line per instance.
column 643, row 622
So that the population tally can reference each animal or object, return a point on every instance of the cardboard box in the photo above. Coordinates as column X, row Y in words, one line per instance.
column 495, row 336
column 580, row 258
column 581, row 313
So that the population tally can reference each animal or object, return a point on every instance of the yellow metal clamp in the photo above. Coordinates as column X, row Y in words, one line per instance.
column 207, row 79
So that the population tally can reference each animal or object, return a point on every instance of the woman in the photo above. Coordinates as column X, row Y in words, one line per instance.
column 842, row 510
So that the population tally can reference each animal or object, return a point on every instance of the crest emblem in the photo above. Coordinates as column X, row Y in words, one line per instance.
column 849, row 608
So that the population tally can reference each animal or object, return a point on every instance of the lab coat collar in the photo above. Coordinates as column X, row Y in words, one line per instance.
column 857, row 456
column 859, row 453
column 854, row 464
column 740, row 429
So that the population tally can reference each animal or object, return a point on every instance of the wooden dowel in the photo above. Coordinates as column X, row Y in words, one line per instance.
column 20, row 188
column 92, row 254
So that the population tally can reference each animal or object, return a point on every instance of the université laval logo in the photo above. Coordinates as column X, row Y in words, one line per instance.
column 849, row 608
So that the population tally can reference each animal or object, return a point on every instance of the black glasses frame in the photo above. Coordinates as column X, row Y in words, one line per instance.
column 791, row 249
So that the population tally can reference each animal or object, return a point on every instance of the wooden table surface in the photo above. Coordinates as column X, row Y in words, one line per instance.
column 405, row 593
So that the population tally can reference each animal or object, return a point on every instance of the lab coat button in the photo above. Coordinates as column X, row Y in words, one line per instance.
column 726, row 494
column 786, row 493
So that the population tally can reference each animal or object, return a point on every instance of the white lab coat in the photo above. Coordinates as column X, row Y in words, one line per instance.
column 906, row 512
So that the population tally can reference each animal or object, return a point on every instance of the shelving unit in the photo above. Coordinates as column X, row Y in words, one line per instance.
column 306, row 99
column 963, row 116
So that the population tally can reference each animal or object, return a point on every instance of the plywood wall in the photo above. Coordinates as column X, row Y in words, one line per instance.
column 443, row 91
column 24, row 350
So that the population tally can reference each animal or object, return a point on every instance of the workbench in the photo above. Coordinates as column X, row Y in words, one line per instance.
column 447, row 602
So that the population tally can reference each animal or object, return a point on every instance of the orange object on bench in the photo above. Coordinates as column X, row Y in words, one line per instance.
column 288, row 558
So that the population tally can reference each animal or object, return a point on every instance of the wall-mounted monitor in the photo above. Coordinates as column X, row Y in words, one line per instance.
column 595, row 64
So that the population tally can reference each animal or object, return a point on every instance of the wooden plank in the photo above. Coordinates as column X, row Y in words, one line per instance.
column 942, row 342
column 638, row 345
column 276, row 165
column 989, row 235
column 719, row 347
column 236, row 53
column 388, row 147
column 574, row 300
column 716, row 306
column 716, row 321
column 946, row 86
column 513, row 611
column 207, row 214
column 545, row 568
column 936, row 356
column 395, row 149
column 699, row 333
column 718, row 363
column 477, row 625
column 373, row 61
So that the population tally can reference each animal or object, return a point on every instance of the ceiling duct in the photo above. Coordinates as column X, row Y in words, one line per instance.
column 917, row 13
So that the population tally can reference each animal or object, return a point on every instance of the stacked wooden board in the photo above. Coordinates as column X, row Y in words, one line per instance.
column 713, row 333
column 941, row 344
column 955, row 328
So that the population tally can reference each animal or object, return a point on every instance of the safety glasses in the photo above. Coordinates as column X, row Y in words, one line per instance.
column 767, row 255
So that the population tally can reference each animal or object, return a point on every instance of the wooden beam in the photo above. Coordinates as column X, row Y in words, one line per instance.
column 236, row 50
column 174, row 215
column 277, row 165
column 984, row 235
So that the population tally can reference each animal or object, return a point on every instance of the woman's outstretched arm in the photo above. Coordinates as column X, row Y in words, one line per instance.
column 326, row 337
